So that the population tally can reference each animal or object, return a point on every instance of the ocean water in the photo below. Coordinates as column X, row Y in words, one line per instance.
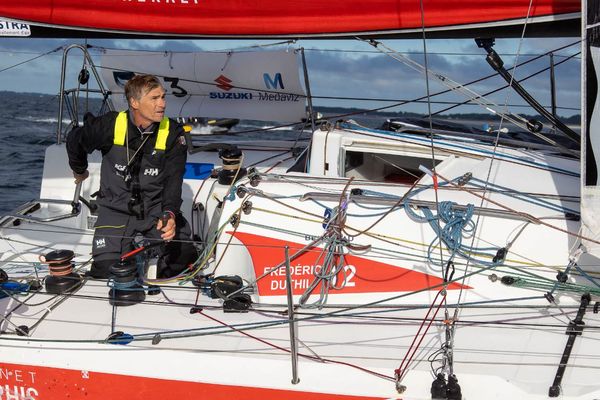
column 30, row 122
column 29, row 126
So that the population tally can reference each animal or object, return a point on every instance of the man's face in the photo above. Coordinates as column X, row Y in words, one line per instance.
column 150, row 108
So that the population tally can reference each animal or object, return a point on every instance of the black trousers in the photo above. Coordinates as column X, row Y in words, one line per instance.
column 114, row 236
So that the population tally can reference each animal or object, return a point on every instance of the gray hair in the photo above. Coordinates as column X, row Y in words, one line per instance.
column 139, row 85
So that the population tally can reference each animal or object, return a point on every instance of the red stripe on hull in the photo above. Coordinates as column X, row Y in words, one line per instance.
column 45, row 383
column 362, row 275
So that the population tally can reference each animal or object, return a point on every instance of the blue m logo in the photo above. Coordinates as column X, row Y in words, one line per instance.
column 273, row 83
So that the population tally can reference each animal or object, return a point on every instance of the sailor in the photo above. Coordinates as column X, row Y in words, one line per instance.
column 143, row 162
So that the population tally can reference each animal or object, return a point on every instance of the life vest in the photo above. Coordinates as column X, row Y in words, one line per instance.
column 146, row 183
column 121, row 131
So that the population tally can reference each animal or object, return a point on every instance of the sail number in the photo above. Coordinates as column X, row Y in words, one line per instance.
column 349, row 273
column 121, row 77
column 178, row 90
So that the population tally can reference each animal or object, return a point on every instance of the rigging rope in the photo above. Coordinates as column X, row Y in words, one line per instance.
column 460, row 148
column 455, row 86
column 308, row 356
column 32, row 59
column 401, row 371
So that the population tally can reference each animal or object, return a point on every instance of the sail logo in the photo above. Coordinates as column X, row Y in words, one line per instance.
column 275, row 82
column 224, row 83
column 10, row 28
column 272, row 82
column 121, row 77
column 231, row 96
column 151, row 171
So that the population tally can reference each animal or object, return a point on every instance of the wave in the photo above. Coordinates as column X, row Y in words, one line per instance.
column 36, row 119
column 13, row 185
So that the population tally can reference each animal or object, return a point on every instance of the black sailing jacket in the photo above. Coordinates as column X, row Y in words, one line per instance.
column 158, row 172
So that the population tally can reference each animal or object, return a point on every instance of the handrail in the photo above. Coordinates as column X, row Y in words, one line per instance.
column 21, row 212
column 63, row 91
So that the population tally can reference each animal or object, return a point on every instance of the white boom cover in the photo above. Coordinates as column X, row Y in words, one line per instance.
column 246, row 85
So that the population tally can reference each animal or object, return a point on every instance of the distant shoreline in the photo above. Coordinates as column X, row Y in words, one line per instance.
column 574, row 120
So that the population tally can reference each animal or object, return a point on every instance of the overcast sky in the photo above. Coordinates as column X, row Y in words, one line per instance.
column 346, row 68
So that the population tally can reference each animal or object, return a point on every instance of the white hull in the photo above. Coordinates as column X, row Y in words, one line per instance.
column 508, row 339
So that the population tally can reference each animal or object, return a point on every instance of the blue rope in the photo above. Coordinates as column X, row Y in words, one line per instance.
column 522, row 196
column 231, row 195
column 586, row 275
column 10, row 288
column 450, row 226
column 124, row 285
column 136, row 281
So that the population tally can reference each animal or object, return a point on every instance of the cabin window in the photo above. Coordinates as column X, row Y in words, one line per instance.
column 379, row 167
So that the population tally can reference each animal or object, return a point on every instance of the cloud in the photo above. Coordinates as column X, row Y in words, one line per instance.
column 360, row 72
column 379, row 76
column 31, row 45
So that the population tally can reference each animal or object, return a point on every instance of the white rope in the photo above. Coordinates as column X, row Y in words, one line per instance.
column 454, row 86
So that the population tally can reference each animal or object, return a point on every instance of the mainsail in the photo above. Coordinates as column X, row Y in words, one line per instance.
column 303, row 18
column 250, row 85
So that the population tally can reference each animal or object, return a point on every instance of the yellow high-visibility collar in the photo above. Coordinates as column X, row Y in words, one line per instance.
column 121, row 131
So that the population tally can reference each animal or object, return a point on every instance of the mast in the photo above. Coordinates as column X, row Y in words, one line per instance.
column 590, row 124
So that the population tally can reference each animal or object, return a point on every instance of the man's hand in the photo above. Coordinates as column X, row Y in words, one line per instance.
column 166, row 224
column 80, row 177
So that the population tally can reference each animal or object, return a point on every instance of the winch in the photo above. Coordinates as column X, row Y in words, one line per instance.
column 126, row 288
column 61, row 278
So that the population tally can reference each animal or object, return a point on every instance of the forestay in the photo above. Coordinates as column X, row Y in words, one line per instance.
column 249, row 85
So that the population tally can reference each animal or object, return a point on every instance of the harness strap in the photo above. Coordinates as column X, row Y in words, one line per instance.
column 163, row 133
column 121, row 131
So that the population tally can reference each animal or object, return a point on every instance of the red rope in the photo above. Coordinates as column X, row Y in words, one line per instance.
column 132, row 252
column 319, row 359
column 401, row 371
